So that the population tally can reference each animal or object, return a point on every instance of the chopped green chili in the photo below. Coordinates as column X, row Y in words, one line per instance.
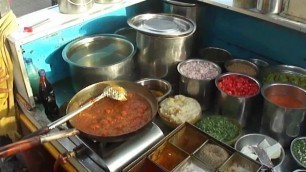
column 219, row 127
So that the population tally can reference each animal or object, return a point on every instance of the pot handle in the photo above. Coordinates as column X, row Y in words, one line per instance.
column 30, row 143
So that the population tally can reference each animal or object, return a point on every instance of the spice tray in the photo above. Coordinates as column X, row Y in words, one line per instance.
column 189, row 148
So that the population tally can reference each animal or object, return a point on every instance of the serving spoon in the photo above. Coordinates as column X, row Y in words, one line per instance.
column 112, row 91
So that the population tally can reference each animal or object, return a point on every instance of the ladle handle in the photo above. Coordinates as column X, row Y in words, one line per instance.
column 41, row 131
column 30, row 143
column 70, row 115
column 20, row 146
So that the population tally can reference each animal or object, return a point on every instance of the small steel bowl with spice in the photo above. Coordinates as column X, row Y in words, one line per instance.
column 159, row 87
column 298, row 151
column 237, row 96
column 241, row 66
column 221, row 128
column 197, row 80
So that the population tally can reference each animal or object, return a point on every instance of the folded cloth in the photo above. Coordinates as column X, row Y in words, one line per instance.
column 8, row 125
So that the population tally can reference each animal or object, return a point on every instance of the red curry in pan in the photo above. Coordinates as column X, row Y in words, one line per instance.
column 109, row 117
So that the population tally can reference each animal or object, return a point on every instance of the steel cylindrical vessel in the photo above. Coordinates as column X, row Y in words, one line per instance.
column 281, row 121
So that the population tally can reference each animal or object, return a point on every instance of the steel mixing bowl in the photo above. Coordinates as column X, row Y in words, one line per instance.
column 255, row 139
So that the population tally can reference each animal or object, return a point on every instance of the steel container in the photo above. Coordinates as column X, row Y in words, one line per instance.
column 255, row 139
column 159, row 86
column 74, row 6
column 189, row 10
column 99, row 58
column 280, row 122
column 202, row 90
column 108, row 1
column 269, row 6
column 243, row 109
column 240, row 70
column 244, row 4
column 163, row 40
column 216, row 55
column 127, row 32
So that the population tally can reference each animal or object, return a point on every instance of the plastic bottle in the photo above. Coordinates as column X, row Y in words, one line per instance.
column 47, row 97
column 33, row 76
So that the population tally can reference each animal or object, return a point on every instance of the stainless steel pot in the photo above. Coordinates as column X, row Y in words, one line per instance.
column 74, row 6
column 244, row 4
column 99, row 58
column 163, row 41
column 189, row 10
column 269, row 6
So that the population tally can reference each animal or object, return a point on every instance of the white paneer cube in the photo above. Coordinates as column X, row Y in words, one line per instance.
column 264, row 144
column 274, row 151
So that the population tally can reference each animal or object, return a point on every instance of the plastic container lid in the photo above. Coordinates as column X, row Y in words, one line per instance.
column 162, row 24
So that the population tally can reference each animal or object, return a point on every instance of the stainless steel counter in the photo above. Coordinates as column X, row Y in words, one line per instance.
column 276, row 19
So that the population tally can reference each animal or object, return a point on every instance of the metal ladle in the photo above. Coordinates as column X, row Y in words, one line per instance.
column 113, row 91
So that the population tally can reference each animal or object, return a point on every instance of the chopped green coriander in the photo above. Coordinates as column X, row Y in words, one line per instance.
column 299, row 150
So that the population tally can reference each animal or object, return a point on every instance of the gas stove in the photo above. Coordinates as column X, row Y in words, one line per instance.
column 100, row 156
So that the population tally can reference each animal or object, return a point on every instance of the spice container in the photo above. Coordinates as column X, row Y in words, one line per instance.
column 197, row 80
column 192, row 164
column 238, row 163
column 216, row 55
column 182, row 139
column 146, row 165
column 171, row 155
column 212, row 154
column 284, row 74
column 237, row 96
column 167, row 156
column 221, row 128
column 241, row 66
column 284, row 112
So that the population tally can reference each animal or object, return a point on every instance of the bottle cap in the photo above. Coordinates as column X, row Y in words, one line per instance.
column 28, row 60
column 41, row 72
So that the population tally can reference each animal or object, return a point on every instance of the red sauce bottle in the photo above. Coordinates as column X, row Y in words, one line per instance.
column 47, row 97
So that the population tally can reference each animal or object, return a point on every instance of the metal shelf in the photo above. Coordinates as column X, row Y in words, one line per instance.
column 276, row 19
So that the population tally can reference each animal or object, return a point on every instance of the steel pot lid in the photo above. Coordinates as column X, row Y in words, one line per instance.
column 162, row 24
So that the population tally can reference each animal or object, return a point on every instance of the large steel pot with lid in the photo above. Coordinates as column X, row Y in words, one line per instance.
column 163, row 40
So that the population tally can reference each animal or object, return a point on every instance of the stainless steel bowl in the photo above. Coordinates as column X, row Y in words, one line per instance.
column 255, row 139
column 293, row 155
column 159, row 87
column 99, row 58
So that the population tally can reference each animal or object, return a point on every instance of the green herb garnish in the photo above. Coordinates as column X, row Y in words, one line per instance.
column 219, row 127
column 299, row 150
